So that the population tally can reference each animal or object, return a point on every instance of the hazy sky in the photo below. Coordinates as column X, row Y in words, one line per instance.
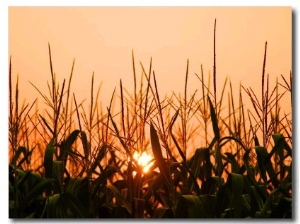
column 101, row 40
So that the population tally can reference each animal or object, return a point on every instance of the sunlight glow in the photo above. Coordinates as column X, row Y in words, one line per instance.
column 144, row 160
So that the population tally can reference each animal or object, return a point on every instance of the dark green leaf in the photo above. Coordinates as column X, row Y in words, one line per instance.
column 235, row 183
column 52, row 207
column 189, row 206
column 163, row 212
column 41, row 187
column 209, row 205
column 76, row 206
column 257, row 201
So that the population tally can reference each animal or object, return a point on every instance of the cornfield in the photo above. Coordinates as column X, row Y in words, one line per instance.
column 205, row 160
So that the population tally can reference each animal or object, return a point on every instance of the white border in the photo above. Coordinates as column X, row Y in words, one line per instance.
column 150, row 3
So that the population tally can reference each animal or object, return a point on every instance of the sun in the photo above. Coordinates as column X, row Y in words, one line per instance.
column 143, row 160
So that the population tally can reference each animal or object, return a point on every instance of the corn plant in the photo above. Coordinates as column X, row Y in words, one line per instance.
column 78, row 161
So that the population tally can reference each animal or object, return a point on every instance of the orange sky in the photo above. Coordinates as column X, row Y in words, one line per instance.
column 101, row 40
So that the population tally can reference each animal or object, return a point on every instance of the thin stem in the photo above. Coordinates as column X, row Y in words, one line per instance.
column 215, row 69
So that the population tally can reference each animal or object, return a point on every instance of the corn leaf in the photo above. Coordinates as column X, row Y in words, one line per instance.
column 85, row 144
column 235, row 183
column 58, row 174
column 102, row 179
column 52, row 206
column 76, row 207
column 47, row 125
column 209, row 205
column 156, row 149
column 214, row 120
column 138, row 207
column 37, row 190
column 257, row 201
column 16, row 157
column 163, row 212
column 189, row 206
column 70, row 140
column 100, row 155
column 265, row 165
column 48, row 160
column 119, row 197
column 279, row 150
column 235, row 168
column 173, row 137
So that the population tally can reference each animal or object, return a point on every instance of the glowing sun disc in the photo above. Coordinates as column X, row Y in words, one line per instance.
column 143, row 160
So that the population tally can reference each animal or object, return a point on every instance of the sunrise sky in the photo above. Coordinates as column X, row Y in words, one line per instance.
column 101, row 40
